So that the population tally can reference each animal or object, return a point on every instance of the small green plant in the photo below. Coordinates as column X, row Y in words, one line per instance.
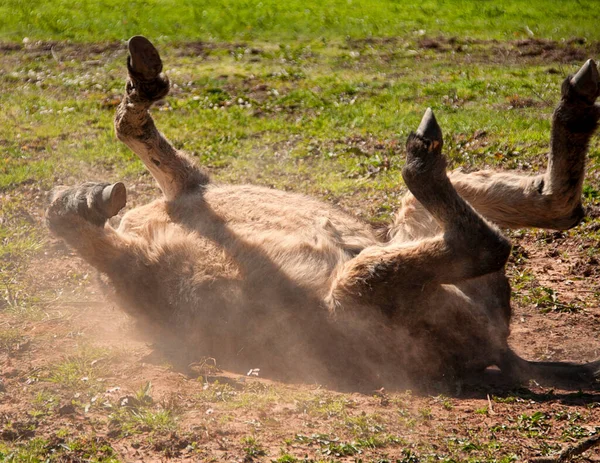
column 12, row 341
column 426, row 413
column 153, row 420
column 80, row 371
column 340, row 449
column 535, row 425
column 140, row 414
column 546, row 299
column 364, row 425
column 286, row 458
column 217, row 392
column 445, row 401
column 575, row 432
column 408, row 456
column 504, row 400
column 482, row 411
column 143, row 396
column 253, row 448
column 325, row 406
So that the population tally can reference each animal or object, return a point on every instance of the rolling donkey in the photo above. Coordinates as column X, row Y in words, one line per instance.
column 263, row 278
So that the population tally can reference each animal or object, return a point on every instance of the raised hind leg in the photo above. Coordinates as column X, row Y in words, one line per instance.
column 174, row 171
column 467, row 246
column 510, row 200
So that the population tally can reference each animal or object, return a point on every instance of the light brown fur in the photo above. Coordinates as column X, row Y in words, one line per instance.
column 263, row 278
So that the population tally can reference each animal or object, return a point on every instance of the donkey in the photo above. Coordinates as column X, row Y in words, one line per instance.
column 257, row 277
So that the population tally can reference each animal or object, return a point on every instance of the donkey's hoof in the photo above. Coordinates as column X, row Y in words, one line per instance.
column 429, row 129
column 93, row 202
column 586, row 82
column 114, row 198
column 424, row 158
column 144, row 61
column 146, row 81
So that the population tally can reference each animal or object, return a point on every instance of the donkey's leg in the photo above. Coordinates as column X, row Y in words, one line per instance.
column 79, row 214
column 550, row 200
column 174, row 171
column 467, row 248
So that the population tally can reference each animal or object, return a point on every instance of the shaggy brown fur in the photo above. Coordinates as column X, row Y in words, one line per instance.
column 263, row 278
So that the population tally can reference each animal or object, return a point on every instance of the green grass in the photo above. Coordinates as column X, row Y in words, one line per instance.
column 316, row 119
column 140, row 414
column 230, row 20
column 88, row 448
column 81, row 372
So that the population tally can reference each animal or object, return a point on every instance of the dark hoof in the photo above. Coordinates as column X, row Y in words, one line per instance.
column 587, row 81
column 144, row 61
column 430, row 129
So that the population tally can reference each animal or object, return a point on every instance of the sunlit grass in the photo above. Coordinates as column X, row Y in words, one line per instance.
column 292, row 20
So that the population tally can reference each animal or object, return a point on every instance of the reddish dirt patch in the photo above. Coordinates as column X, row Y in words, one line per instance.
column 224, row 417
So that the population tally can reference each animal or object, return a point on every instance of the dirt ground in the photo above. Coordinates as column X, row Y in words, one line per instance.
column 76, row 379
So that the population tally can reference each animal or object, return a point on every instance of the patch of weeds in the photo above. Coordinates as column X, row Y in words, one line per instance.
column 504, row 400
column 62, row 433
column 332, row 446
column 494, row 430
column 466, row 445
column 146, row 420
column 16, row 430
column 44, row 403
column 217, row 392
column 252, row 447
column 445, row 401
column 402, row 399
column 426, row 414
column 20, row 239
column 138, row 413
column 92, row 449
column 364, row 425
column 566, row 415
column 12, row 341
column 324, row 406
column 26, row 451
column 379, row 441
column 143, row 394
column 408, row 420
column 535, row 425
column 508, row 459
column 546, row 299
column 519, row 255
column 286, row 458
column 256, row 394
column 408, row 456
column 80, row 371
column 523, row 280
column 590, row 193
column 575, row 432
column 340, row 449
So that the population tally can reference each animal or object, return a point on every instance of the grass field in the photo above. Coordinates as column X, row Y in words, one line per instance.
column 316, row 97
column 230, row 20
